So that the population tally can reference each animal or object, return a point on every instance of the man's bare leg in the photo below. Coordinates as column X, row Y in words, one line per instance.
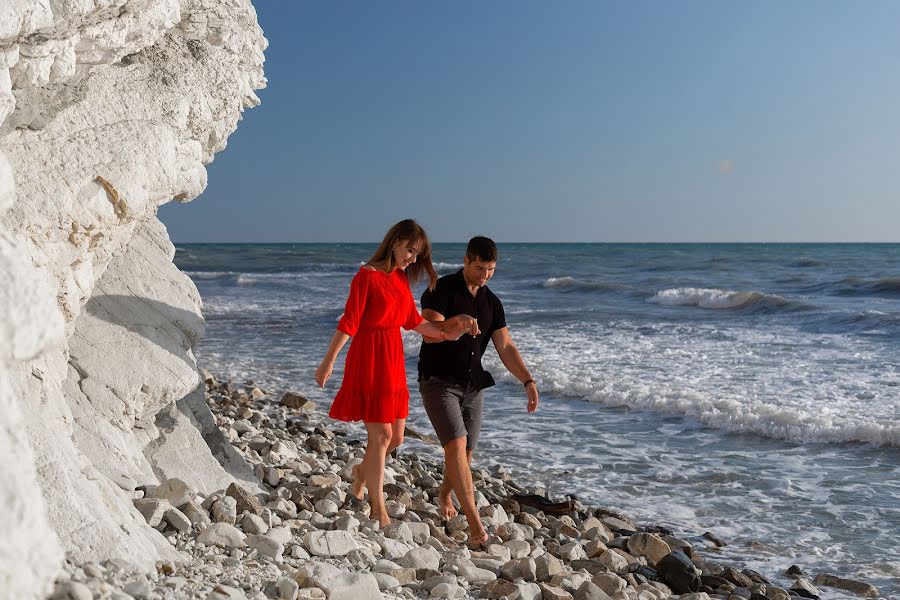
column 456, row 466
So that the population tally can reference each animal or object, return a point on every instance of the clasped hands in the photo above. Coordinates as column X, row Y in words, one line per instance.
column 455, row 327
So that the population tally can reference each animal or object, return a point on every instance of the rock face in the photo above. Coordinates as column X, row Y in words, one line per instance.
column 108, row 109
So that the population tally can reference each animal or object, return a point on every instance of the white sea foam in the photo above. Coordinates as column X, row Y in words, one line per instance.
column 783, row 385
column 442, row 266
column 572, row 283
column 713, row 298
column 209, row 274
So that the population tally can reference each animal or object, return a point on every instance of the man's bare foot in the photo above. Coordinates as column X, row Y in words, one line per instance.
column 359, row 484
column 445, row 504
column 383, row 519
column 477, row 539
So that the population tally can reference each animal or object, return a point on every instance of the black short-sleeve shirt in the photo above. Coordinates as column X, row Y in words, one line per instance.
column 460, row 361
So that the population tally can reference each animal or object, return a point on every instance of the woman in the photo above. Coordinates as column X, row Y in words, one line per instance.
column 374, row 388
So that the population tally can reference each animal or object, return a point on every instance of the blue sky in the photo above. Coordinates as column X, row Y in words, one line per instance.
column 565, row 121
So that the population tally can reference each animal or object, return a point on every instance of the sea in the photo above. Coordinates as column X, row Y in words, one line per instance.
column 747, row 390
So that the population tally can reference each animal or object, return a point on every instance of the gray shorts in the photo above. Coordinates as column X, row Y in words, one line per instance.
column 455, row 411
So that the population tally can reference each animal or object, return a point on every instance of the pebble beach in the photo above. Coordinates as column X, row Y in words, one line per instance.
column 303, row 537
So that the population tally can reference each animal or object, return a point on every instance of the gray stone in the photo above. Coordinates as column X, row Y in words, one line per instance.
column 399, row 531
column 326, row 507
column 338, row 584
column 518, row 548
column 196, row 513
column 72, row 590
column 226, row 592
column 280, row 534
column 392, row 549
column 177, row 519
column 420, row 532
column 447, row 590
column 138, row 589
column 176, row 491
column 609, row 582
column 476, row 575
column 152, row 509
column 614, row 561
column 266, row 547
column 329, row 543
column 224, row 535
column 385, row 581
column 251, row 523
column 225, row 511
column 519, row 568
column 552, row 592
column 546, row 566
column 589, row 591
column 423, row 557
column 650, row 546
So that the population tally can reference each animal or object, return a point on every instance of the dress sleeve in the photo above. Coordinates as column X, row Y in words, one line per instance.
column 356, row 304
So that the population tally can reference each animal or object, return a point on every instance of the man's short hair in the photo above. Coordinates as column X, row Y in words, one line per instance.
column 481, row 248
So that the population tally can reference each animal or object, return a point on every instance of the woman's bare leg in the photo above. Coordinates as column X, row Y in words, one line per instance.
column 380, row 435
column 398, row 428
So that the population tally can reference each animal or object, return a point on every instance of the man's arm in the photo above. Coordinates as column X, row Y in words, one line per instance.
column 512, row 360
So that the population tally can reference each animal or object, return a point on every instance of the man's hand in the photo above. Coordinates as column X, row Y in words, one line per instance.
column 532, row 392
column 323, row 373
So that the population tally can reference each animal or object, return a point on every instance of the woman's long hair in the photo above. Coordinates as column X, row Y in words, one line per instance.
column 411, row 232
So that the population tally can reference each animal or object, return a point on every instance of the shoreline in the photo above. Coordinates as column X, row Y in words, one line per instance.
column 302, row 539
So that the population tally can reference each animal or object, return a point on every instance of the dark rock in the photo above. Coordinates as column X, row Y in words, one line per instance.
column 737, row 578
column 794, row 571
column 677, row 571
column 755, row 577
column 859, row 588
column 715, row 582
column 716, row 540
column 648, row 573
column 245, row 500
column 413, row 434
column 594, row 567
column 294, row 400
column 620, row 542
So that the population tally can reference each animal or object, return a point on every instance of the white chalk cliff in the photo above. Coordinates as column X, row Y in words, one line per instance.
column 108, row 109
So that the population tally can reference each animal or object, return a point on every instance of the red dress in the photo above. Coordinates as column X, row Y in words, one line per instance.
column 374, row 387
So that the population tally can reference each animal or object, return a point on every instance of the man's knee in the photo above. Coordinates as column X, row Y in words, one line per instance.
column 455, row 446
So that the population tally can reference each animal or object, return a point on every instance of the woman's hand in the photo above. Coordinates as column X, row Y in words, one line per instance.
column 323, row 373
column 455, row 327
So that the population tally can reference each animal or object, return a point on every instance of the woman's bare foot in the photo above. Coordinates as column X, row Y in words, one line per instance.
column 359, row 484
column 445, row 504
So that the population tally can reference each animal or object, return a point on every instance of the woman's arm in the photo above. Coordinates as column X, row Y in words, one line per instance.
column 323, row 373
column 450, row 329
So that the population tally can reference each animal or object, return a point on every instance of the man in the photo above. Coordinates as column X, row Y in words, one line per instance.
column 452, row 380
